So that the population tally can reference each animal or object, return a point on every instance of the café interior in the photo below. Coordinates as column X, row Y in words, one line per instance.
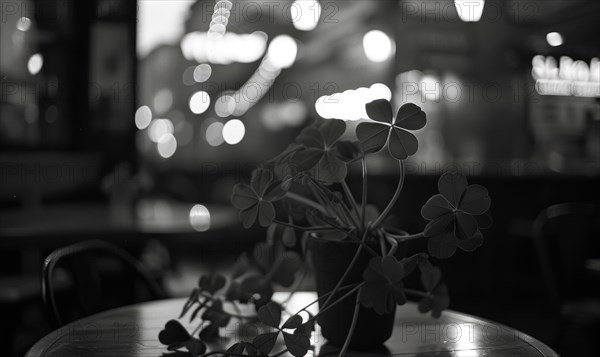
column 130, row 123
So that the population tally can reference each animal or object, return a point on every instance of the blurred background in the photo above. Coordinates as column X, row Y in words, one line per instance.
column 130, row 121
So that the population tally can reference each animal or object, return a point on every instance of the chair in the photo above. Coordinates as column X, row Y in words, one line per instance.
column 102, row 275
column 564, row 241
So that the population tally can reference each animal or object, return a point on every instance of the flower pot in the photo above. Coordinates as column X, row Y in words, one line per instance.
column 330, row 260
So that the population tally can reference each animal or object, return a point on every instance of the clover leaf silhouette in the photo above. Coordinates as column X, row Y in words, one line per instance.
column 456, row 214
column 175, row 336
column 386, row 129
column 255, row 201
column 296, row 343
column 384, row 287
column 319, row 156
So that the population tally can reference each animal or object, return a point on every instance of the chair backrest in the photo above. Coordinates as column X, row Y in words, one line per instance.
column 102, row 276
column 562, row 235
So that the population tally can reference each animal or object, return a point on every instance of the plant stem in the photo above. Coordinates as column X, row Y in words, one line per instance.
column 363, row 202
column 416, row 292
column 350, row 266
column 394, row 198
column 352, row 326
column 291, row 225
column 337, row 301
column 349, row 234
column 382, row 245
column 400, row 238
column 305, row 201
column 352, row 201
column 394, row 244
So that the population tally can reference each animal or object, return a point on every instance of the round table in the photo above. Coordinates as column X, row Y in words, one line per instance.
column 133, row 331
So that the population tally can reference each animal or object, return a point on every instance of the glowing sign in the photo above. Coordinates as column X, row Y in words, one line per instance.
column 566, row 77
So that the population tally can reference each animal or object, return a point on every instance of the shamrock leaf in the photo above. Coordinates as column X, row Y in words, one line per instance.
column 175, row 336
column 293, row 322
column 239, row 348
column 349, row 151
column 212, row 283
column 255, row 201
column 319, row 156
column 436, row 301
column 374, row 135
column 384, row 287
column 216, row 315
column 297, row 344
column 456, row 215
column 265, row 342
column 270, row 314
column 193, row 299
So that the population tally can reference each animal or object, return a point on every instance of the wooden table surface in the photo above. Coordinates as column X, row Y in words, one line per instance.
column 132, row 331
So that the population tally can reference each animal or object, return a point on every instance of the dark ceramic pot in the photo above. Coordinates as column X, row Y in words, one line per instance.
column 330, row 260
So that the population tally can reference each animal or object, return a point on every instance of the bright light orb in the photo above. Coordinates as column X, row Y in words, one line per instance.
column 214, row 134
column 554, row 39
column 158, row 128
column 233, row 131
column 469, row 10
column 378, row 46
column 200, row 218
column 282, row 51
column 167, row 145
column 225, row 106
column 24, row 24
column 305, row 14
column 199, row 102
column 35, row 64
column 202, row 73
column 143, row 117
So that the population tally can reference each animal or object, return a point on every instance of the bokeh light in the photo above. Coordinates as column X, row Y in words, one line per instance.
column 35, row 64
column 554, row 39
column 167, row 145
column 305, row 14
column 143, row 117
column 282, row 51
column 202, row 73
column 378, row 46
column 158, row 128
column 200, row 218
column 199, row 102
column 234, row 131
column 214, row 134
column 24, row 24
column 225, row 106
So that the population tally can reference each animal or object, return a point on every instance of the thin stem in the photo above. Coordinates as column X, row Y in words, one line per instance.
column 352, row 326
column 337, row 301
column 291, row 225
column 351, row 199
column 417, row 292
column 401, row 238
column 382, row 245
column 394, row 244
column 363, row 203
column 349, row 234
column 305, row 201
column 350, row 266
column 394, row 199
